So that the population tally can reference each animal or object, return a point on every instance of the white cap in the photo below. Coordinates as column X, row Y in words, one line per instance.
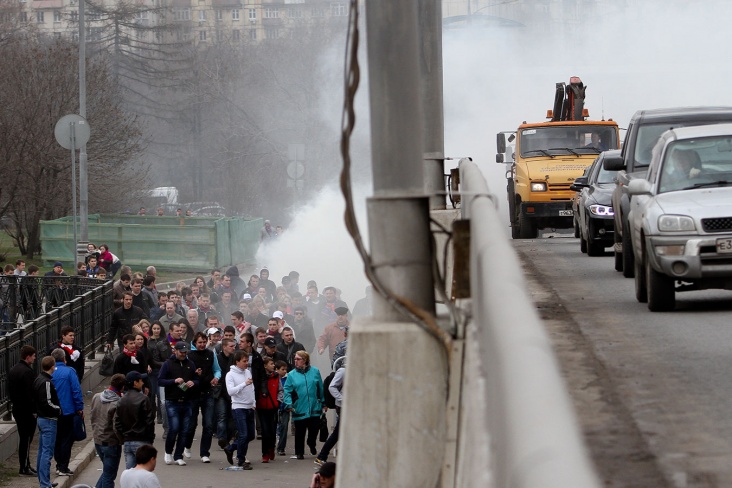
column 246, row 296
column 212, row 331
column 278, row 315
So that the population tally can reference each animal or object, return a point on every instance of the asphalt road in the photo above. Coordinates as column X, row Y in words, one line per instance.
column 666, row 377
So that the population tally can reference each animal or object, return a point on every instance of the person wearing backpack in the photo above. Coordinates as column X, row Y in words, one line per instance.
column 333, row 386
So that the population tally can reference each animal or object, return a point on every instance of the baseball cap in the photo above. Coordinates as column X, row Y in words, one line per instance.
column 341, row 310
column 212, row 331
column 270, row 342
column 246, row 296
column 133, row 376
column 181, row 346
column 278, row 315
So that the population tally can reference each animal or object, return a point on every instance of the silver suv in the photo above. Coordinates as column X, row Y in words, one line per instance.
column 681, row 216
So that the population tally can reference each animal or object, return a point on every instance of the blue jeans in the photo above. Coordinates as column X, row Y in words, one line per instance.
column 130, row 448
column 179, row 423
column 206, row 405
column 244, row 419
column 46, row 445
column 224, row 422
column 110, row 456
column 282, row 428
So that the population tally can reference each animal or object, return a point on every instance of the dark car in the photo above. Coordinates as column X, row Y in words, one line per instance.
column 593, row 210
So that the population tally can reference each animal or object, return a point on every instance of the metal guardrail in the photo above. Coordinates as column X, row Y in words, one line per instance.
column 535, row 438
column 86, row 304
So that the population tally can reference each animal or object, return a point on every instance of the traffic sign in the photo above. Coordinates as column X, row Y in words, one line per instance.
column 62, row 131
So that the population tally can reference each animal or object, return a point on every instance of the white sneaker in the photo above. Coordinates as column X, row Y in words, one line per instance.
column 168, row 458
column 205, row 459
column 187, row 453
column 180, row 462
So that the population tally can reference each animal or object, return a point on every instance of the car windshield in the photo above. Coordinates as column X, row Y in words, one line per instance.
column 697, row 163
column 567, row 140
column 605, row 176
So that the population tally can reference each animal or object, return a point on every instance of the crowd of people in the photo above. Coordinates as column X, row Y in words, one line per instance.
column 234, row 356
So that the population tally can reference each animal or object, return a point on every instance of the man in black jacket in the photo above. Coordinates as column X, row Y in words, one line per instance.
column 20, row 388
column 134, row 420
column 74, row 356
column 122, row 321
column 49, row 410
column 177, row 376
column 288, row 347
column 201, row 398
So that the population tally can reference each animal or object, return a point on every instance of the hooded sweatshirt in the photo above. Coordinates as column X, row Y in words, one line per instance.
column 241, row 393
column 103, row 407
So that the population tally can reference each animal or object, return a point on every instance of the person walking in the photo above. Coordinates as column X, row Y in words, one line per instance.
column 134, row 421
column 49, row 410
column 21, row 379
column 240, row 386
column 106, row 442
column 177, row 376
column 208, row 373
column 303, row 396
column 71, row 400
column 269, row 397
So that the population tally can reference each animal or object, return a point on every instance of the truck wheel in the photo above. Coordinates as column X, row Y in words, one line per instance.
column 527, row 228
column 661, row 292
column 628, row 258
column 641, row 292
column 583, row 245
column 515, row 232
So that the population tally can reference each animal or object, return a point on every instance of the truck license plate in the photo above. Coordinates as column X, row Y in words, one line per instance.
column 569, row 213
column 724, row 246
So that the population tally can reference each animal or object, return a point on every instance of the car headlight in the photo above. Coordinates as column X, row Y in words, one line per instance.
column 675, row 223
column 601, row 210
column 538, row 186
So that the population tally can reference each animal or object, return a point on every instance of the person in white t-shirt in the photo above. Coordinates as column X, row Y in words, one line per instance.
column 142, row 476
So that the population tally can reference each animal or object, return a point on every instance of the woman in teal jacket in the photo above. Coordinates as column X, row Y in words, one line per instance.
column 304, row 398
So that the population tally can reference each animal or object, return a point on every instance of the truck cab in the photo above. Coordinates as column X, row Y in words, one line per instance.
column 547, row 158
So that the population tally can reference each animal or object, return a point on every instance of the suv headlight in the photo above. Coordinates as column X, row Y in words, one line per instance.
column 539, row 186
column 675, row 223
column 601, row 210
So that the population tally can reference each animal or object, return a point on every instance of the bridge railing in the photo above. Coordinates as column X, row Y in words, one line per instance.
column 86, row 304
column 528, row 421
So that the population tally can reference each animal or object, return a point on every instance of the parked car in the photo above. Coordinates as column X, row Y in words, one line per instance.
column 681, row 216
column 593, row 209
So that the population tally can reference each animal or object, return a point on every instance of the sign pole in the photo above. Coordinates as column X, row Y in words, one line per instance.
column 73, row 186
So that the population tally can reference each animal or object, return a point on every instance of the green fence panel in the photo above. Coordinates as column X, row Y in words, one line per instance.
column 191, row 243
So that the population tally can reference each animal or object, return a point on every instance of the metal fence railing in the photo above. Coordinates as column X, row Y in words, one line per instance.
column 41, row 306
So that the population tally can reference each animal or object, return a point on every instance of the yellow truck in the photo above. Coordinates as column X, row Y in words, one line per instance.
column 546, row 159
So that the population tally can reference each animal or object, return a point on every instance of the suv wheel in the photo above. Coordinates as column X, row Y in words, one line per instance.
column 641, row 292
column 628, row 258
column 661, row 292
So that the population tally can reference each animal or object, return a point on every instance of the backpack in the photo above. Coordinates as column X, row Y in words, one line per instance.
column 330, row 401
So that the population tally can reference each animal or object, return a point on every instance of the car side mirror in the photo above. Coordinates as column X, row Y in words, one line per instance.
column 614, row 162
column 579, row 183
column 639, row 187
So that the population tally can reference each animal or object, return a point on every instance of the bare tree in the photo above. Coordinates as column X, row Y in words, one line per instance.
column 40, row 85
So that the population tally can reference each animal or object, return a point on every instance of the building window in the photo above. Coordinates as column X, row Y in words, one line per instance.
column 94, row 14
column 202, row 35
column 235, row 34
column 235, row 14
column 338, row 9
column 271, row 13
column 253, row 34
column 56, row 16
column 74, row 16
column 252, row 15
column 202, row 16
column 317, row 12
column 294, row 13
column 182, row 14
column 271, row 33
column 219, row 35
column 219, row 14
column 24, row 16
column 39, row 16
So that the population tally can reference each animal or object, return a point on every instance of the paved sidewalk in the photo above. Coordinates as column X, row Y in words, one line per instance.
column 282, row 472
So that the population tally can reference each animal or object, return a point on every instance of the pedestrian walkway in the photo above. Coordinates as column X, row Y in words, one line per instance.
column 282, row 472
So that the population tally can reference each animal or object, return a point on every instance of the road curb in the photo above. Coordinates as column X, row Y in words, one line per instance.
column 78, row 464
